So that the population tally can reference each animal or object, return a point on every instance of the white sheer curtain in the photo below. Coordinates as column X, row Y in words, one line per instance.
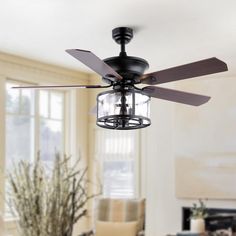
column 118, row 155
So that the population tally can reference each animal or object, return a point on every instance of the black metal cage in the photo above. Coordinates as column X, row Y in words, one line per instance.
column 123, row 109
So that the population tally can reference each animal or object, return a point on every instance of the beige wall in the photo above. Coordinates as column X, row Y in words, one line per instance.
column 190, row 131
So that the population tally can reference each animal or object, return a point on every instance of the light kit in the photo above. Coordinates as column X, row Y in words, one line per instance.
column 123, row 109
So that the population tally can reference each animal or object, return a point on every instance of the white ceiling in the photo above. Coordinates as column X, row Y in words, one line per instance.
column 167, row 32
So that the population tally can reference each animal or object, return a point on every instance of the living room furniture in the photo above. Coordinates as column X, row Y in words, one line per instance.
column 118, row 217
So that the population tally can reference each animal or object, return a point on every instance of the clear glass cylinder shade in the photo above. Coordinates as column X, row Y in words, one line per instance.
column 127, row 109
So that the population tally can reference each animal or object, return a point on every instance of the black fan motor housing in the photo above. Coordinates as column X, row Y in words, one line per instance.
column 130, row 68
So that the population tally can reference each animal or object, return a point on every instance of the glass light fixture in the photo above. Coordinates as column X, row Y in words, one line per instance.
column 123, row 109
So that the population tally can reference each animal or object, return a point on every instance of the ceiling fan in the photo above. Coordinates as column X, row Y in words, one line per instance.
column 126, row 106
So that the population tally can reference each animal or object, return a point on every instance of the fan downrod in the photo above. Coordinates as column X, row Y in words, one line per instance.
column 122, row 35
column 130, row 68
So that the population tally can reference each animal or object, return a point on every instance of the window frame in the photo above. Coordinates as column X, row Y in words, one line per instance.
column 10, row 222
column 37, row 117
column 17, row 83
column 49, row 118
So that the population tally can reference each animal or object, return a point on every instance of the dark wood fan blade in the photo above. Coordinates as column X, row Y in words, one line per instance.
column 195, row 69
column 94, row 63
column 60, row 86
column 175, row 96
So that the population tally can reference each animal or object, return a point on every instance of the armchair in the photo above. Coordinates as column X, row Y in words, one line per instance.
column 118, row 216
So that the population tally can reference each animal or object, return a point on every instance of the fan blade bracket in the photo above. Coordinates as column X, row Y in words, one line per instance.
column 110, row 77
column 149, row 90
column 152, row 80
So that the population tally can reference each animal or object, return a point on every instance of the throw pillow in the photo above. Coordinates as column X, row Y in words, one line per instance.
column 106, row 228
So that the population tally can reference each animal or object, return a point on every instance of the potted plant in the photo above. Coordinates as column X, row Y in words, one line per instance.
column 197, row 217
column 48, row 202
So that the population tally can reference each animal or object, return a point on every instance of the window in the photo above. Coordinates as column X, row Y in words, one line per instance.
column 34, row 121
column 20, row 123
column 118, row 153
column 33, row 124
column 51, row 124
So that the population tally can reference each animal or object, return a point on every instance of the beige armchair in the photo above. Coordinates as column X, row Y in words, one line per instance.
column 119, row 217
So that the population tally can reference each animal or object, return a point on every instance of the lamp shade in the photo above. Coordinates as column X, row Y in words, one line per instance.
column 123, row 109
